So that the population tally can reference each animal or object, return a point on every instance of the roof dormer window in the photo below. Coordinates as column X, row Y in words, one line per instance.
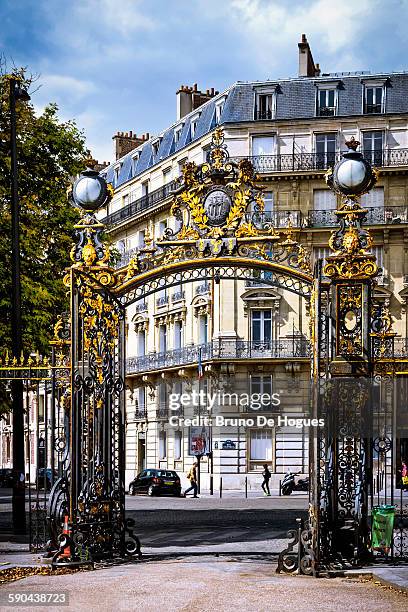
column 135, row 160
column 155, row 146
column 374, row 91
column 193, row 125
column 219, row 107
column 265, row 102
column 177, row 133
column 116, row 173
column 327, row 99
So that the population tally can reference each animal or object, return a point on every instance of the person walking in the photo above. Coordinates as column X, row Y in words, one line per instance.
column 192, row 477
column 266, row 478
column 404, row 475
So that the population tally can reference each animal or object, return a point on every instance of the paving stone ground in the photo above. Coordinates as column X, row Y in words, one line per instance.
column 205, row 585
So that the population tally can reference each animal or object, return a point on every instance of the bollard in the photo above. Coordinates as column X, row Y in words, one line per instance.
column 220, row 488
column 246, row 487
column 280, row 488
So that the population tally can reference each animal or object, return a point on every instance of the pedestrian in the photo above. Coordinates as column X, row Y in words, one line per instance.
column 192, row 477
column 266, row 478
column 404, row 475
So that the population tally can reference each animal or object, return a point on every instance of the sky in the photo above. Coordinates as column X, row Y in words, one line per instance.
column 115, row 65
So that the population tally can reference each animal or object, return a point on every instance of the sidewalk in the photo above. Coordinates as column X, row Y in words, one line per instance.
column 395, row 577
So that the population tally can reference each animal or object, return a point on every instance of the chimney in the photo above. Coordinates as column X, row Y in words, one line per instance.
column 191, row 98
column 307, row 66
column 126, row 142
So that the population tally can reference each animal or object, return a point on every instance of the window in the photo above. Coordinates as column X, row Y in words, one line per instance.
column 166, row 175
column 261, row 384
column 265, row 105
column 373, row 199
column 156, row 146
column 162, row 445
column 321, row 254
column 263, row 145
column 260, row 445
column 125, row 200
column 141, row 343
column 162, row 338
column 373, row 147
column 325, row 150
column 145, row 188
column 177, row 444
column 116, row 175
column 326, row 102
column 219, row 107
column 141, row 238
column 178, row 334
column 135, row 160
column 203, row 329
column 177, row 133
column 373, row 99
column 140, row 408
column 324, row 199
column 261, row 324
column 193, row 125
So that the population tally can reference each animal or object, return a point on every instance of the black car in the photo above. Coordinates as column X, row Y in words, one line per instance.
column 156, row 482
column 6, row 477
column 44, row 478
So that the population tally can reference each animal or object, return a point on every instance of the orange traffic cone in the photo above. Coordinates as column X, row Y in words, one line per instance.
column 65, row 531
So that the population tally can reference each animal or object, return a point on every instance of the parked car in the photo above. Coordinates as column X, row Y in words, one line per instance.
column 156, row 482
column 44, row 478
column 6, row 477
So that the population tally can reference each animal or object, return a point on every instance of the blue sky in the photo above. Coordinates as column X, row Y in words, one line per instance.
column 116, row 64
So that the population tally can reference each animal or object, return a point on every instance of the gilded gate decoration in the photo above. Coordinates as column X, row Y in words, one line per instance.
column 221, row 231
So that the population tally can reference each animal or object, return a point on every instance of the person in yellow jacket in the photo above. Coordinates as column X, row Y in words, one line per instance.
column 192, row 476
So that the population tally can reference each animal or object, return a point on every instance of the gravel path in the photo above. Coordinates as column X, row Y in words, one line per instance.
column 205, row 585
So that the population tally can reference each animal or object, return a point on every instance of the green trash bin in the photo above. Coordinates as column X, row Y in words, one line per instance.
column 382, row 525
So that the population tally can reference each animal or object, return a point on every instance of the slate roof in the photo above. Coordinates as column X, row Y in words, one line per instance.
column 296, row 99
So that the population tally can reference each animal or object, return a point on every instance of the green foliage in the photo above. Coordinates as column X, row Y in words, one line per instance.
column 50, row 154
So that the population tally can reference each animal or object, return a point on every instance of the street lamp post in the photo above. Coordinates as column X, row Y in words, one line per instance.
column 17, row 92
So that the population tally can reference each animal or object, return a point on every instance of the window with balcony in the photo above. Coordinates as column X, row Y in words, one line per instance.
column 263, row 145
column 265, row 105
column 324, row 205
column 325, row 146
column 178, row 334
column 373, row 99
column 326, row 102
column 145, row 188
column 373, row 145
column 141, row 343
column 202, row 329
column 261, row 328
column 162, row 338
column 140, row 408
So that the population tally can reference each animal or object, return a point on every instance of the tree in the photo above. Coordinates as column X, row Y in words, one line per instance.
column 50, row 154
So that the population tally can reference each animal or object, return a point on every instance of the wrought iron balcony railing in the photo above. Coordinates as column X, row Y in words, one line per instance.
column 178, row 296
column 202, row 288
column 162, row 300
column 140, row 413
column 139, row 205
column 378, row 215
column 276, row 218
column 265, row 114
column 285, row 162
column 283, row 348
column 326, row 111
column 371, row 109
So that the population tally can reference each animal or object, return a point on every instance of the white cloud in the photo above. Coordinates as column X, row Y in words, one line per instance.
column 272, row 27
column 123, row 16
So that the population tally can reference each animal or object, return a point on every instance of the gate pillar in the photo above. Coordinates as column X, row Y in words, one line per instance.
column 344, row 397
column 97, row 527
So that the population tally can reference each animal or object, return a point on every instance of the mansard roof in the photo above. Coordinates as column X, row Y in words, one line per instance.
column 296, row 99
